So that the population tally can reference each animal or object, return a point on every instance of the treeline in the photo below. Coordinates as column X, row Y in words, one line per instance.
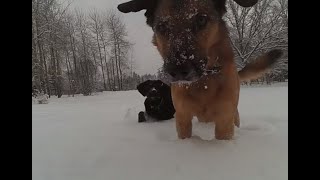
column 78, row 51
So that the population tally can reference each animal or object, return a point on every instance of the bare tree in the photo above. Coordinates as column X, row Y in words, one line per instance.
column 258, row 29
column 77, row 52
column 85, row 63
column 37, row 54
column 46, row 23
column 119, row 46
column 97, row 29
column 71, row 33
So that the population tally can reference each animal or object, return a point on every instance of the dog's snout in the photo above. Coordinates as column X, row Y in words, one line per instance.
column 180, row 63
column 153, row 90
column 179, row 72
column 182, row 56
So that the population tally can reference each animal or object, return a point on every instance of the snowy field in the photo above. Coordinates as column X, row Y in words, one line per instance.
column 99, row 138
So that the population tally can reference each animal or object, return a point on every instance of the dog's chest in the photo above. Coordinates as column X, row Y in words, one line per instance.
column 194, row 99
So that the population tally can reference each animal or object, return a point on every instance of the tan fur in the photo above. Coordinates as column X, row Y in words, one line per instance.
column 213, row 97
column 259, row 67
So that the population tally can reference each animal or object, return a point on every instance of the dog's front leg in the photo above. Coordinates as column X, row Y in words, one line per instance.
column 237, row 118
column 224, row 129
column 183, row 125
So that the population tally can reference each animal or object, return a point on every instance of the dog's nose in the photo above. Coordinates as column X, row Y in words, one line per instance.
column 179, row 72
column 153, row 90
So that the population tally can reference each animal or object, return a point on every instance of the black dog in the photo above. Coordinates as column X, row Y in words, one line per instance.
column 158, row 104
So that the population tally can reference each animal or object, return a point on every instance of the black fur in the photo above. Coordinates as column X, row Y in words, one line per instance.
column 150, row 6
column 158, row 104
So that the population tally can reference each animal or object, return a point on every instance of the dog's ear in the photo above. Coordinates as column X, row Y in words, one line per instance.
column 138, row 5
column 163, row 87
column 144, row 87
column 246, row 3
column 221, row 4
column 163, row 84
column 159, row 82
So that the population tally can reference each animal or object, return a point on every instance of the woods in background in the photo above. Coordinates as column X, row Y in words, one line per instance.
column 81, row 52
column 258, row 29
column 76, row 52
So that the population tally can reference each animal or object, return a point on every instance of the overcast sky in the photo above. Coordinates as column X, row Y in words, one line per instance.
column 146, row 57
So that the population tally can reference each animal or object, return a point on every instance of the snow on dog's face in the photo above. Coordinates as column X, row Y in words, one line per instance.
column 185, row 32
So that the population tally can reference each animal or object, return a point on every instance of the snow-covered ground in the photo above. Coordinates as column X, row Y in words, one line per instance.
column 99, row 138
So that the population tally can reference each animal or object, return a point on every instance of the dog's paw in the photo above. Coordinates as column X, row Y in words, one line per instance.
column 141, row 117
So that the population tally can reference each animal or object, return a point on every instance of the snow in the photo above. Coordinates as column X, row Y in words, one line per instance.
column 99, row 137
column 191, row 14
column 182, row 82
column 183, row 56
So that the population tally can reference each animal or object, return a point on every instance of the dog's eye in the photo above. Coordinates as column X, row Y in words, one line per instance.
column 201, row 21
column 162, row 28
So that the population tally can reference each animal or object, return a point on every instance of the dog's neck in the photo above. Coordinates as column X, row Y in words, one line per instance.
column 220, row 56
column 215, row 68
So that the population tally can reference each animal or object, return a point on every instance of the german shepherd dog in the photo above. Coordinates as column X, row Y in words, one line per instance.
column 192, row 39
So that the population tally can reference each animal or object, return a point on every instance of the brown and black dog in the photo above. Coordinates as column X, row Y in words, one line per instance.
column 193, row 40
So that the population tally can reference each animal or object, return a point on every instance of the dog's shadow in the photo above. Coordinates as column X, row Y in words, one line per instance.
column 202, row 142
column 203, row 133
